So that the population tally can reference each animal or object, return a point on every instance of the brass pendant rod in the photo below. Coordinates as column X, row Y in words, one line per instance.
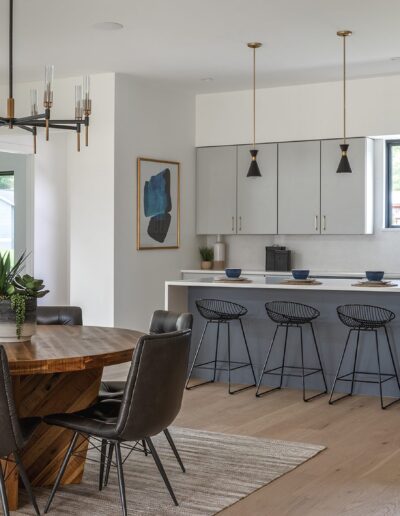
column 10, row 61
column 254, row 97
column 344, row 89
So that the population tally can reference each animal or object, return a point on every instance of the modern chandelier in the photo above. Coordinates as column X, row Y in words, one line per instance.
column 83, row 103
column 254, row 170
column 344, row 165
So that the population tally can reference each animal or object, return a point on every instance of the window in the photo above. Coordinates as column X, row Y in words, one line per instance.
column 7, row 212
column 393, row 184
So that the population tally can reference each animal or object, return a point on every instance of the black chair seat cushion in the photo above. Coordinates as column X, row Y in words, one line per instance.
column 99, row 419
column 111, row 390
column 28, row 426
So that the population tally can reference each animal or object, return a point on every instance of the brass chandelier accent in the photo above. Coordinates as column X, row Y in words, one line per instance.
column 254, row 170
column 83, row 103
column 344, row 165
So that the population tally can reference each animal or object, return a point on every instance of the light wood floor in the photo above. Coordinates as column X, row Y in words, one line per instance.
column 358, row 474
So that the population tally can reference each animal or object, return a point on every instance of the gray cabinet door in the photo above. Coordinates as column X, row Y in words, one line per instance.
column 257, row 197
column 216, row 190
column 299, row 188
column 346, row 199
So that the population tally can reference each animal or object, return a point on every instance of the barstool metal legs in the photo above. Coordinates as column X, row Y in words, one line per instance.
column 195, row 358
column 230, row 369
column 382, row 377
column 303, row 369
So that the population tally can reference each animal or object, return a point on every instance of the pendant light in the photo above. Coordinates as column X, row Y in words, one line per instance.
column 344, row 165
column 254, row 170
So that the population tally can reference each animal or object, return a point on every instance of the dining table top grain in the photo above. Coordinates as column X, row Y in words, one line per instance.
column 60, row 349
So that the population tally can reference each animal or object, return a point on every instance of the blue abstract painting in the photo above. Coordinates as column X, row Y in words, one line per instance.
column 157, row 204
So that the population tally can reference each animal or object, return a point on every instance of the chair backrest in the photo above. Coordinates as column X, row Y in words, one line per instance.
column 154, row 389
column 164, row 321
column 68, row 315
column 10, row 432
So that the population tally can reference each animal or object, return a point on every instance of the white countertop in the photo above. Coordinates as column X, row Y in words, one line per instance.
column 313, row 273
column 342, row 285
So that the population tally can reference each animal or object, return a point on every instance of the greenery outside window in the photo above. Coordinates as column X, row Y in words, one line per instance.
column 393, row 184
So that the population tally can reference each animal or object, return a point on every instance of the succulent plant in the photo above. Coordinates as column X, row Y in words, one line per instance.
column 18, row 288
column 207, row 254
column 28, row 286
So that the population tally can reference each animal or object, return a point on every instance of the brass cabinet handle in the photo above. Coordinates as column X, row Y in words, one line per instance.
column 233, row 224
column 316, row 222
column 324, row 223
column 240, row 223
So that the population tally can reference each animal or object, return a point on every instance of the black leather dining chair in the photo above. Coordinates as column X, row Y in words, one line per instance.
column 151, row 401
column 162, row 321
column 68, row 315
column 14, row 433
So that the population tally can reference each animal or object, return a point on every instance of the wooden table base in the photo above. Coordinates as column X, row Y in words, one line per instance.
column 40, row 395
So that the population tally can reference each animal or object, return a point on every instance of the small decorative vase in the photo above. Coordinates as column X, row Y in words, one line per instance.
column 8, row 328
column 206, row 265
column 219, row 254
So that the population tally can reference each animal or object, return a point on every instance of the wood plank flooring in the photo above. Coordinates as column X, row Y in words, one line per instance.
column 359, row 473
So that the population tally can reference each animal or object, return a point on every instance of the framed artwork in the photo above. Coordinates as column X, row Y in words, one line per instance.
column 158, row 204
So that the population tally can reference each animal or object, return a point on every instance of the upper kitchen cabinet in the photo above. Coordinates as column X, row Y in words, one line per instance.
column 347, row 199
column 299, row 188
column 216, row 190
column 257, row 196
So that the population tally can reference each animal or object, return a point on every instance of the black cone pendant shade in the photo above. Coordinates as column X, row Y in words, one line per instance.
column 344, row 165
column 254, row 170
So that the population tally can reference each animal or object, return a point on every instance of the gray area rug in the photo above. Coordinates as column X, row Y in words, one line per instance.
column 220, row 470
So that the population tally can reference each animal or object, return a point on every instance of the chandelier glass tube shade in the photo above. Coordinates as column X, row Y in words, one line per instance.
column 344, row 165
column 254, row 170
column 31, row 123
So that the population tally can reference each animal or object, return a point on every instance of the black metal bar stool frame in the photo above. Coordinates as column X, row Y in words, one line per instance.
column 352, row 376
column 305, row 371
column 220, row 365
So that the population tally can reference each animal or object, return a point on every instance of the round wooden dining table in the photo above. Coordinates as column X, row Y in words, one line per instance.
column 59, row 370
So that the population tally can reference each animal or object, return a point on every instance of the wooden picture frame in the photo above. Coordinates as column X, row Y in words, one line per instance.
column 158, row 204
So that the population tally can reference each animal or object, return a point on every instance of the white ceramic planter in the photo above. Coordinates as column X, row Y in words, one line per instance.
column 8, row 331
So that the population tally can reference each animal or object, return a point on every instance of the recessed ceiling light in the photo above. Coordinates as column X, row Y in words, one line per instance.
column 108, row 25
column 207, row 79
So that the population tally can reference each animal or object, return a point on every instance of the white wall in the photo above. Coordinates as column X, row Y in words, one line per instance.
column 151, row 121
column 74, row 199
column 301, row 113
column 305, row 112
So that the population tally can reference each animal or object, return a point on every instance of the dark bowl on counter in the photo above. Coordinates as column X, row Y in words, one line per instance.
column 233, row 273
column 374, row 275
column 300, row 274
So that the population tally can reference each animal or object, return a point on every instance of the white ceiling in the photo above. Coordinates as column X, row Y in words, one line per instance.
column 183, row 41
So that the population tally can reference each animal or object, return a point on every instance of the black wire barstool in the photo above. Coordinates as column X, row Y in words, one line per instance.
column 287, row 314
column 217, row 311
column 365, row 318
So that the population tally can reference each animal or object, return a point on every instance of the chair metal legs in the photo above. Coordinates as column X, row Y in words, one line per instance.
column 161, row 469
column 121, row 480
column 174, row 449
column 109, row 462
column 26, row 482
column 3, row 494
column 102, row 463
column 382, row 377
column 64, row 465
column 305, row 371
column 232, row 365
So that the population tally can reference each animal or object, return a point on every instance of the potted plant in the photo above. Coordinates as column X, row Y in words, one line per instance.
column 18, row 295
column 207, row 256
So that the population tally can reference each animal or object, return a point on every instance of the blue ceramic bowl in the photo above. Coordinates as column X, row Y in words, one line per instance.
column 300, row 274
column 233, row 273
column 374, row 275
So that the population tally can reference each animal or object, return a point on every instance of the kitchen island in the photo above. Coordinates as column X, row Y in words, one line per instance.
column 331, row 334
